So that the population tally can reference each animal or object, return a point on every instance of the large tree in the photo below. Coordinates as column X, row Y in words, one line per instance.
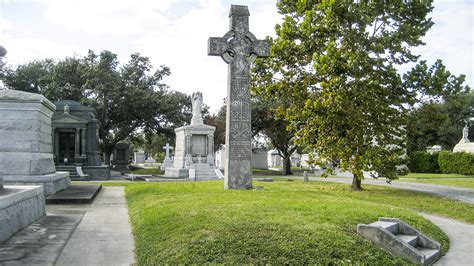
column 338, row 61
column 127, row 98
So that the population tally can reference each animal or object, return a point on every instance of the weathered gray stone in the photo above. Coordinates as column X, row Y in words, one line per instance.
column 167, row 162
column 75, row 134
column 239, row 48
column 401, row 239
column 19, row 207
column 464, row 145
column 26, row 141
column 194, row 147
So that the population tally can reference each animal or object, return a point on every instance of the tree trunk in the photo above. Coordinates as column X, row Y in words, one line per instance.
column 287, row 165
column 356, row 183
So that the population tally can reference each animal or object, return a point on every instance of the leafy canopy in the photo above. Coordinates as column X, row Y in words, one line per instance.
column 128, row 98
column 337, row 61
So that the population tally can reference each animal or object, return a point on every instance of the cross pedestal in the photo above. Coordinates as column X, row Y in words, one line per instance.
column 238, row 48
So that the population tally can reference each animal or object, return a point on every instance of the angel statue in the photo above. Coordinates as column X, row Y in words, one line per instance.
column 197, row 106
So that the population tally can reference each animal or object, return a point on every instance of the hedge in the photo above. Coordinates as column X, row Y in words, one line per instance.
column 423, row 162
column 456, row 162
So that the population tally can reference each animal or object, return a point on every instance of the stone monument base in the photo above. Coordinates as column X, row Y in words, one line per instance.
column 464, row 147
column 19, row 207
column 195, row 172
column 51, row 183
column 176, row 172
column 101, row 172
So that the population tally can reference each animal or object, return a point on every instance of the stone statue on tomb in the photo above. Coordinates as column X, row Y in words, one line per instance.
column 196, row 101
column 465, row 132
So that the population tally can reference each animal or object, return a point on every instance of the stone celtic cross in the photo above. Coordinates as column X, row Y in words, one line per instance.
column 238, row 48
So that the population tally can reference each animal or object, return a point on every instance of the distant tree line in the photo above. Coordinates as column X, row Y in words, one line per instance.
column 130, row 99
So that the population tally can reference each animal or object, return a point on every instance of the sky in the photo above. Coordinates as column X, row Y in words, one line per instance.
column 175, row 33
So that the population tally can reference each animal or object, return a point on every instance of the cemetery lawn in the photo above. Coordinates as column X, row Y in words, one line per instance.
column 454, row 180
column 435, row 176
column 286, row 223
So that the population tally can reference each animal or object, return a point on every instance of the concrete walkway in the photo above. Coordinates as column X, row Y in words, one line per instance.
column 104, row 236
column 461, row 240
column 462, row 194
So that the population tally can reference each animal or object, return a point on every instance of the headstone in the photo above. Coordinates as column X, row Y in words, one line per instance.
column 139, row 157
column 239, row 48
column 194, row 147
column 120, row 157
column 26, row 143
column 305, row 176
column 167, row 162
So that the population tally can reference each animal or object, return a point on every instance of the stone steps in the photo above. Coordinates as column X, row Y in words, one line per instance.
column 401, row 239
column 204, row 171
column 73, row 175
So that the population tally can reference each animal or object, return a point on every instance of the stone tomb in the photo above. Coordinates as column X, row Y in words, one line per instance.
column 19, row 207
column 194, row 147
column 75, row 137
column 139, row 157
column 26, row 143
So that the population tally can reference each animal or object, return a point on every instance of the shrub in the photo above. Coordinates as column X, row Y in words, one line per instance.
column 456, row 162
column 423, row 162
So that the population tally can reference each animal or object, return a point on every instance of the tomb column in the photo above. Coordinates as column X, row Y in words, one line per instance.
column 210, row 144
column 76, row 147
column 55, row 145
column 188, row 144
column 83, row 139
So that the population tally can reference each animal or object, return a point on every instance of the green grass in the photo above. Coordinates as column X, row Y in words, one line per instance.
column 266, row 172
column 430, row 176
column 454, row 180
column 286, row 223
column 148, row 171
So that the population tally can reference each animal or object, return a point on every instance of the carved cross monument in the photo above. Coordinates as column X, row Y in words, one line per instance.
column 167, row 148
column 238, row 48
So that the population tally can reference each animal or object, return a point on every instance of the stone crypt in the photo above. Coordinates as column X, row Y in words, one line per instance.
column 26, row 143
column 194, row 147
column 75, row 138
column 19, row 205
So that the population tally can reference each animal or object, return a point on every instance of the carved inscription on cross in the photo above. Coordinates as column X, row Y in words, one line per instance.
column 167, row 148
column 238, row 48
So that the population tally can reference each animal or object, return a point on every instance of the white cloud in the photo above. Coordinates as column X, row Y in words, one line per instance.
column 175, row 33
column 452, row 38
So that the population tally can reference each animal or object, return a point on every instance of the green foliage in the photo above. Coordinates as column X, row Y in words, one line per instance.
column 126, row 98
column 440, row 123
column 258, row 227
column 218, row 121
column 423, row 162
column 337, row 61
column 456, row 162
